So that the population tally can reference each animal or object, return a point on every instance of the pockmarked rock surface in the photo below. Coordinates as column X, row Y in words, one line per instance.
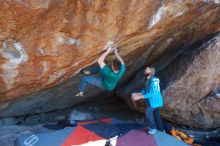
column 190, row 86
column 45, row 43
column 191, row 91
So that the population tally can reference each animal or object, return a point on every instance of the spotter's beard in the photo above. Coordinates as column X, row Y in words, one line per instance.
column 147, row 75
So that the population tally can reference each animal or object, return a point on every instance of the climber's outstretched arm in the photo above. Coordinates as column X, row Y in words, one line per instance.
column 103, row 56
column 118, row 57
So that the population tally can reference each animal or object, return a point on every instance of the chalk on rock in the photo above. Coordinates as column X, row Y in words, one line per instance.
column 73, row 41
column 68, row 41
column 60, row 40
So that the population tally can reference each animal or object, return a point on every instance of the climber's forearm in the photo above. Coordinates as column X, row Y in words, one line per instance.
column 102, row 59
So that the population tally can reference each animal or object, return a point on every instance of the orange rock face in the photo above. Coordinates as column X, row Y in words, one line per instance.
column 45, row 42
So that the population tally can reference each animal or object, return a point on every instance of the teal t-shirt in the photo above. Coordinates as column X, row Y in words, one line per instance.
column 110, row 78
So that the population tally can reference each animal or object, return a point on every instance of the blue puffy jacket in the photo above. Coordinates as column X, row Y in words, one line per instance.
column 152, row 93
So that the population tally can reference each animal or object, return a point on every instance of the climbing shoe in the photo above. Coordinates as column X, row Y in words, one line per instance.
column 80, row 94
column 85, row 72
column 151, row 131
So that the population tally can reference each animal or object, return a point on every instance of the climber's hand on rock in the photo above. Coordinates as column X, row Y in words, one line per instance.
column 108, row 45
column 109, row 49
column 112, row 48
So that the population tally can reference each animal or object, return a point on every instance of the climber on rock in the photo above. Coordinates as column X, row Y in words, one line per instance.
column 108, row 76
column 153, row 98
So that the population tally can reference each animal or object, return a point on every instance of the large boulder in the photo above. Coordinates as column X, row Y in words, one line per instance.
column 191, row 86
column 44, row 43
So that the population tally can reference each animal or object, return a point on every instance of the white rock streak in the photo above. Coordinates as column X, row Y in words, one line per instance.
column 56, row 75
column 157, row 17
column 172, row 9
column 214, row 1
column 10, row 67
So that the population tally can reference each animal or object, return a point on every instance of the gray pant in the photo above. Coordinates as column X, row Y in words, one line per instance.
column 153, row 118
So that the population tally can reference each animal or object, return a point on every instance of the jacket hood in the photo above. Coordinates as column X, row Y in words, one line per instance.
column 152, row 71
